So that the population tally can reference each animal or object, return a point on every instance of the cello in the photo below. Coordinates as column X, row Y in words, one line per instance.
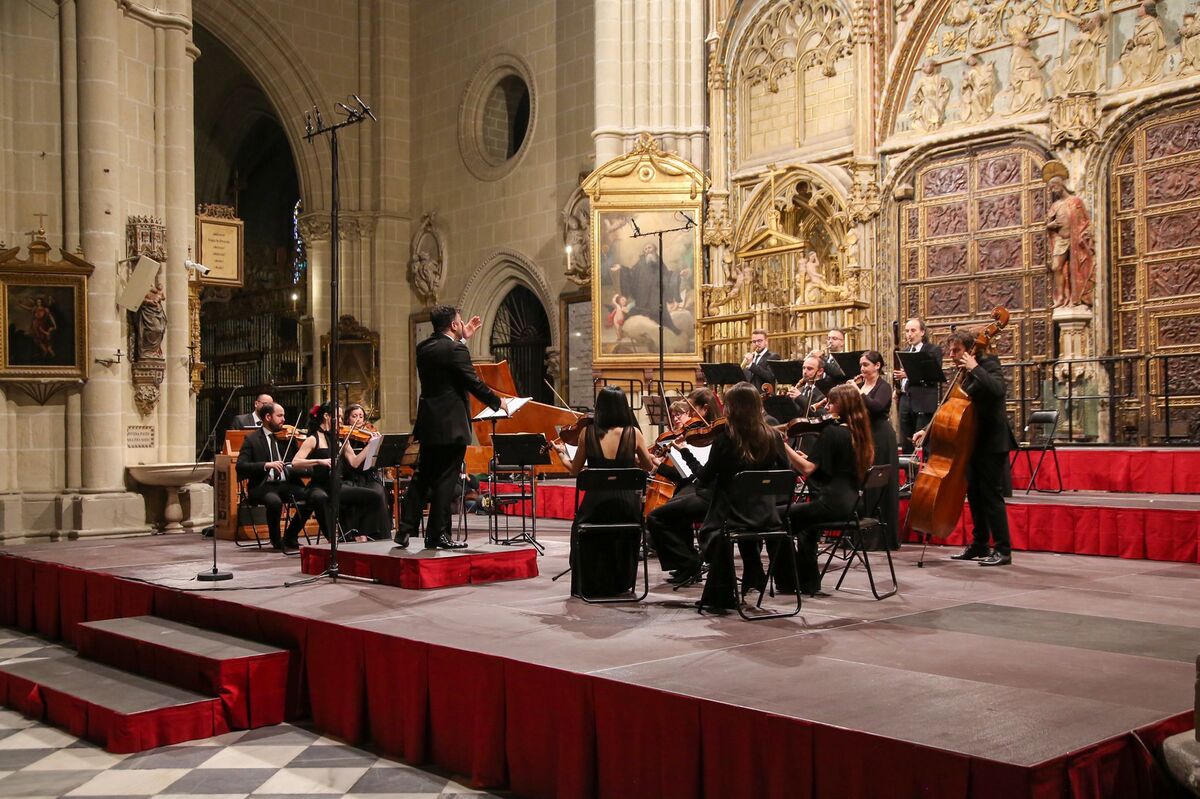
column 941, row 485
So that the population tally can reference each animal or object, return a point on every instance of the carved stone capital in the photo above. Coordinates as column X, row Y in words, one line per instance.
column 1075, row 120
column 314, row 227
column 147, row 383
column 718, row 227
column 863, row 203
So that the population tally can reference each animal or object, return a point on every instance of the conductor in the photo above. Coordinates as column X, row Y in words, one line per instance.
column 443, row 424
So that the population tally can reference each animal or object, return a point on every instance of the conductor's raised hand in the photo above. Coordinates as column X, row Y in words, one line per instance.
column 471, row 326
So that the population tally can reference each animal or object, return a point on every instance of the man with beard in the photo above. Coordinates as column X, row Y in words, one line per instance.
column 640, row 284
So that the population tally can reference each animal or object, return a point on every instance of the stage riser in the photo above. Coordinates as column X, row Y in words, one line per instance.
column 1136, row 471
column 450, row 568
column 547, row 732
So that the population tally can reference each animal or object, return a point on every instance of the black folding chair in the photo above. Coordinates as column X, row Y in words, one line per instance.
column 1038, row 436
column 755, row 486
column 603, row 481
column 247, row 509
column 847, row 540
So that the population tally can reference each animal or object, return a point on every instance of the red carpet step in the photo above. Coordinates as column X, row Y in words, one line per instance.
column 122, row 712
column 249, row 678
column 425, row 568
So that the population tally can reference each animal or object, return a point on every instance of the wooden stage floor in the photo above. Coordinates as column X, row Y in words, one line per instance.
column 1018, row 665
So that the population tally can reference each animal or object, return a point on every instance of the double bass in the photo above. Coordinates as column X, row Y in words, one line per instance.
column 941, row 485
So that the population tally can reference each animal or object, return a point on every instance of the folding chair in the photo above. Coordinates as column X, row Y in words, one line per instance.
column 848, row 539
column 1035, row 438
column 756, row 485
column 602, row 481
column 246, row 509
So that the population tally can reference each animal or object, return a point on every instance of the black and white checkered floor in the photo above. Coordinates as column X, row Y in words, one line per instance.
column 285, row 761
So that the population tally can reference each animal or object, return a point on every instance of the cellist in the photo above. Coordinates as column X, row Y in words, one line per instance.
column 988, row 475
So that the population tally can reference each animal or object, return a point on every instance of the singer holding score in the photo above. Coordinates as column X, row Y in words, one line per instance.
column 443, row 424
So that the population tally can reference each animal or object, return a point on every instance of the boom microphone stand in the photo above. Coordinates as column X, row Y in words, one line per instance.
column 353, row 116
column 214, row 575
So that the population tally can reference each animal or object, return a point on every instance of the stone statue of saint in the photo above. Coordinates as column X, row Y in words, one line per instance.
column 1026, row 88
column 1081, row 68
column 152, row 324
column 978, row 90
column 1145, row 51
column 1072, row 252
column 1189, row 45
column 928, row 111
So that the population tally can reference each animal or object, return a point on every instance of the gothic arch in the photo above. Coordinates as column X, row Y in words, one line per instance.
column 490, row 283
column 829, row 185
column 288, row 82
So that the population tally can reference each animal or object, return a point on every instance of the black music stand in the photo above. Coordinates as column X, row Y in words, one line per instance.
column 787, row 373
column 848, row 363
column 391, row 451
column 781, row 407
column 922, row 367
column 827, row 384
column 722, row 374
column 523, row 453
column 657, row 410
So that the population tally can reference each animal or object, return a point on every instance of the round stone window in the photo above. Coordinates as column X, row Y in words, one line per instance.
column 496, row 118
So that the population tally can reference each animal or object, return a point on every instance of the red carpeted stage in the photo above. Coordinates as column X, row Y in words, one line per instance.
column 1055, row 677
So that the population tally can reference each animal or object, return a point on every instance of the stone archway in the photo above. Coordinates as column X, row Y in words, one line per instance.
column 491, row 282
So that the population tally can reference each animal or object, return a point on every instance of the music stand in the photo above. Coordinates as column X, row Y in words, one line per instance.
column 525, row 452
column 922, row 368
column 782, row 407
column 392, row 450
column 788, row 373
column 722, row 374
column 848, row 363
column 656, row 410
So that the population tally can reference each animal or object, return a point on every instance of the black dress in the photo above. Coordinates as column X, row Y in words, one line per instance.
column 364, row 500
column 735, row 512
column 315, row 495
column 605, row 563
column 879, row 405
column 834, row 486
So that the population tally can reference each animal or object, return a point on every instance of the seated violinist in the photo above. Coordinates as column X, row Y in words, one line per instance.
column 671, row 525
column 362, row 490
column 262, row 463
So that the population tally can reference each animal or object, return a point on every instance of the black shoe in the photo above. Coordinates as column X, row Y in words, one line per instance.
column 971, row 553
column 290, row 545
column 996, row 559
column 444, row 543
column 401, row 540
column 275, row 545
column 747, row 586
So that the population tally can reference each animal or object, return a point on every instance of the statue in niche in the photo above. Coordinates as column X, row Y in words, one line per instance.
column 1189, row 45
column 817, row 287
column 978, row 90
column 1145, row 51
column 576, row 229
column 427, row 262
column 1072, row 252
column 1024, row 21
column 1081, row 67
column 719, row 296
column 152, row 324
column 928, row 111
column 1027, row 88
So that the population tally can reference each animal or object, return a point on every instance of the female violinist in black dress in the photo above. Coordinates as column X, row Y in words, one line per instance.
column 835, row 469
column 607, row 564
column 363, row 489
column 877, row 394
column 747, row 443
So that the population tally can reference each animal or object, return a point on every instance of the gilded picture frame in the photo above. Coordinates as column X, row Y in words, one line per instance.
column 43, row 305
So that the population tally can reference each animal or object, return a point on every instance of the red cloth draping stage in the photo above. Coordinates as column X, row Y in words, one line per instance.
column 549, row 732
column 1144, row 470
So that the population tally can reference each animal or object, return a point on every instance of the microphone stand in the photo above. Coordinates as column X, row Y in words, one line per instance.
column 215, row 575
column 352, row 116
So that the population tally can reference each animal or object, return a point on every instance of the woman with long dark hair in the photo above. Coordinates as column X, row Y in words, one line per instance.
column 607, row 566
column 746, row 443
column 877, row 394
column 835, row 468
column 363, row 489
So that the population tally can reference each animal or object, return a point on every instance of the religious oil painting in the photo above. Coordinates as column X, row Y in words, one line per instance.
column 639, row 300
column 43, row 326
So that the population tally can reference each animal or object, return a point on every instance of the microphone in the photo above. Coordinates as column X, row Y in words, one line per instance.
column 366, row 108
column 691, row 223
column 633, row 222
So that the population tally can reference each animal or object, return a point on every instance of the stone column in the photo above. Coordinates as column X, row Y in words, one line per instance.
column 1075, row 342
column 104, row 506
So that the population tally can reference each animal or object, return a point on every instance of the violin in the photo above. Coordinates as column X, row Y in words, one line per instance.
column 569, row 434
column 671, row 436
column 704, row 435
column 290, row 433
column 806, row 424
column 362, row 434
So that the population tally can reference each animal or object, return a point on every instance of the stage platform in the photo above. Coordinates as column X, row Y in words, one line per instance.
column 1052, row 677
column 424, row 569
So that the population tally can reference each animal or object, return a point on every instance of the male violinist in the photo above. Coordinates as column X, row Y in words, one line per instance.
column 987, row 472
column 262, row 462
column 443, row 424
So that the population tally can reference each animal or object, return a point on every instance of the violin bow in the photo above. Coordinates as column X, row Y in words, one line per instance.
column 292, row 437
column 557, row 396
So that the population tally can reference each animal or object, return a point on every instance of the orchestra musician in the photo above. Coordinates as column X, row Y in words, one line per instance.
column 807, row 395
column 918, row 400
column 835, row 341
column 607, row 566
column 988, row 476
column 316, row 453
column 248, row 421
column 754, row 364
column 362, row 488
column 877, row 394
column 671, row 525
column 747, row 442
column 262, row 462
column 834, row 470
column 443, row 424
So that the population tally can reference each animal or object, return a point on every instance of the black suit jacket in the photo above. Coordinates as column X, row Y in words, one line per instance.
column 245, row 422
column 987, row 388
column 832, row 370
column 447, row 376
column 256, row 453
column 924, row 397
column 760, row 373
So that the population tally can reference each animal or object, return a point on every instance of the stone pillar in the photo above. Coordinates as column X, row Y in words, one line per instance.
column 1075, row 341
column 103, row 505
column 609, row 142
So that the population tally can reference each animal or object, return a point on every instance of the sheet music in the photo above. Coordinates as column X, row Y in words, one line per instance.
column 699, row 453
column 571, row 451
column 514, row 404
column 371, row 452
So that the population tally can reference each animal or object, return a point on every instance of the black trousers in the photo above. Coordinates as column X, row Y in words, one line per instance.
column 271, row 494
column 436, row 481
column 910, row 422
column 671, row 528
column 365, row 509
column 802, row 518
column 316, row 501
column 987, row 480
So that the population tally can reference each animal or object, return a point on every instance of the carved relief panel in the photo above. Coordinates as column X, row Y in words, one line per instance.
column 1155, row 204
column 973, row 238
